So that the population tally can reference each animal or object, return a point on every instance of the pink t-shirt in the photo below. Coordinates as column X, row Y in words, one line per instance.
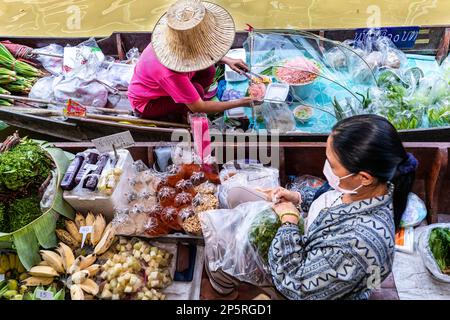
column 152, row 80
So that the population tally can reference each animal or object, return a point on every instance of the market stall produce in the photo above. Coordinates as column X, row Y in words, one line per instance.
column 172, row 200
column 30, row 197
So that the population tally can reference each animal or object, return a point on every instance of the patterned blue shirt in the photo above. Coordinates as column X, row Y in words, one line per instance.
column 348, row 250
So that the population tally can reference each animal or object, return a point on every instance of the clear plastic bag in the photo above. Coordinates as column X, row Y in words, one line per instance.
column 49, row 194
column 278, row 116
column 43, row 88
column 117, row 75
column 54, row 65
column 415, row 212
column 230, row 243
column 83, row 60
column 427, row 255
column 243, row 173
column 86, row 92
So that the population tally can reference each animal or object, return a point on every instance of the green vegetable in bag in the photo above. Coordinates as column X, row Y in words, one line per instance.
column 439, row 242
column 264, row 229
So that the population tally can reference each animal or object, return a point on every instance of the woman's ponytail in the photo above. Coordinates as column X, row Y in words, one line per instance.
column 403, row 182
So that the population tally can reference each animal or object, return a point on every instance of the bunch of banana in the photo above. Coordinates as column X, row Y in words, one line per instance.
column 11, row 267
column 79, row 271
column 71, row 234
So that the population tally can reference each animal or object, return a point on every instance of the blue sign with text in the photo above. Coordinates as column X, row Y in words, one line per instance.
column 402, row 37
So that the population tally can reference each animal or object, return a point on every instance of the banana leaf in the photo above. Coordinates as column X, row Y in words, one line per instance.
column 41, row 232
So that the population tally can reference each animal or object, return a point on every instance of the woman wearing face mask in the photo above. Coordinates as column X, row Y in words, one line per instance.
column 348, row 246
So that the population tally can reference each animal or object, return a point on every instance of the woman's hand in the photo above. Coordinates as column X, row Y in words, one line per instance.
column 249, row 102
column 287, row 212
column 236, row 64
column 280, row 194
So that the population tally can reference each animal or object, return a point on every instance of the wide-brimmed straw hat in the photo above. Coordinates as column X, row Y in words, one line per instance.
column 193, row 35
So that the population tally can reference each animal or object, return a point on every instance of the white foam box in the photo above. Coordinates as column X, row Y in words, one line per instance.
column 95, row 201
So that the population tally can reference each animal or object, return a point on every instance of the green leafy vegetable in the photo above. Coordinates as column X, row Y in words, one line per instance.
column 439, row 242
column 22, row 212
column 3, row 218
column 25, row 164
column 263, row 230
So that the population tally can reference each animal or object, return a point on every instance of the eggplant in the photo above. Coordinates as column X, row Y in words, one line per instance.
column 68, row 181
column 90, row 159
column 92, row 181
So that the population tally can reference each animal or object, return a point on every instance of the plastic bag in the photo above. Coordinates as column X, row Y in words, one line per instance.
column 427, row 255
column 415, row 212
column 49, row 194
column 83, row 60
column 116, row 74
column 243, row 173
column 86, row 92
column 237, row 240
column 43, row 88
column 54, row 65
column 278, row 116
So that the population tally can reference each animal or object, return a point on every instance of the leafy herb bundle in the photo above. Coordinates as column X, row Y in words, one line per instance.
column 439, row 242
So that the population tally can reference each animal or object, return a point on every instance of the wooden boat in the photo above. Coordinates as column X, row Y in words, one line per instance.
column 432, row 40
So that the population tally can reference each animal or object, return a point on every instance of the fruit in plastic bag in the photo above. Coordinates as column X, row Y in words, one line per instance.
column 183, row 199
column 189, row 221
column 198, row 178
column 206, row 188
column 155, row 210
column 204, row 202
column 169, row 216
column 189, row 169
column 163, row 182
column 156, row 227
column 175, row 173
column 185, row 213
column 166, row 196
column 185, row 186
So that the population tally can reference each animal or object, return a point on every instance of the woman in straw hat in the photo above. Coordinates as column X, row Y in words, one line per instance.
column 177, row 68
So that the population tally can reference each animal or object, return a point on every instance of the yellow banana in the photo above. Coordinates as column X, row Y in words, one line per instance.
column 93, row 270
column 90, row 219
column 38, row 281
column 90, row 287
column 80, row 276
column 43, row 271
column 99, row 228
column 53, row 259
column 106, row 240
column 67, row 255
column 87, row 261
column 4, row 262
column 20, row 267
column 79, row 220
column 76, row 293
column 12, row 261
column 74, row 231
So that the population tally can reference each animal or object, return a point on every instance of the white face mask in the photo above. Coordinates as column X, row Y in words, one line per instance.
column 334, row 180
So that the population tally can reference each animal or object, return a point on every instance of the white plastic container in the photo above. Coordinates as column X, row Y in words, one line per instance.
column 277, row 92
column 230, row 75
column 236, row 113
column 84, row 200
